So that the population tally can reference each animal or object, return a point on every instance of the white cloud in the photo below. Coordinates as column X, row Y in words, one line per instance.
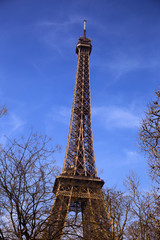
column 116, row 117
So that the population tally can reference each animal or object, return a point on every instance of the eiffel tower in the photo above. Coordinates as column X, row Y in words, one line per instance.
column 79, row 189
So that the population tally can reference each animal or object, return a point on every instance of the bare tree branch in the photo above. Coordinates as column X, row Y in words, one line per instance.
column 3, row 110
column 27, row 172
column 150, row 138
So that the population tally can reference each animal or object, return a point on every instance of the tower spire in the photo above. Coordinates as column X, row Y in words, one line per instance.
column 84, row 29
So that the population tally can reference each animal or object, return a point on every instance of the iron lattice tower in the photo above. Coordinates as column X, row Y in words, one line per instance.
column 78, row 188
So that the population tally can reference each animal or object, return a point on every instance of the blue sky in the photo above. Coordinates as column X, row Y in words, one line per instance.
column 38, row 69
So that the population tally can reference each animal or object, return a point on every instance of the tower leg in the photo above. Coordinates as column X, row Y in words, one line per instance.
column 88, row 221
column 95, row 222
column 100, row 216
column 57, row 219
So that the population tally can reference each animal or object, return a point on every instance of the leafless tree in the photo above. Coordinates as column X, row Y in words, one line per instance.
column 150, row 137
column 118, row 208
column 27, row 172
column 145, row 219
column 3, row 111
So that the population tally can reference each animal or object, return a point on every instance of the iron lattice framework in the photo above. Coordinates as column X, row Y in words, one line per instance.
column 79, row 158
column 78, row 188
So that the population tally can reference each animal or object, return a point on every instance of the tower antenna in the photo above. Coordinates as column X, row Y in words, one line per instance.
column 84, row 28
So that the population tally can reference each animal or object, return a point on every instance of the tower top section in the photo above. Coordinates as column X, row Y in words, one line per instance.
column 84, row 43
column 79, row 158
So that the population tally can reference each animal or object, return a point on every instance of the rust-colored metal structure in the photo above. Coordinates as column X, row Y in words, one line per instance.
column 78, row 188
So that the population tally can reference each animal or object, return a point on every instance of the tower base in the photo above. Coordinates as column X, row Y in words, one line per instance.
column 78, row 195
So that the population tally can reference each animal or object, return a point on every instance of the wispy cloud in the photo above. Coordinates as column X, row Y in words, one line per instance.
column 59, row 114
column 125, row 157
column 116, row 117
column 130, row 157
column 123, row 63
column 126, row 63
column 55, row 31
column 110, row 117
column 10, row 124
column 60, row 25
